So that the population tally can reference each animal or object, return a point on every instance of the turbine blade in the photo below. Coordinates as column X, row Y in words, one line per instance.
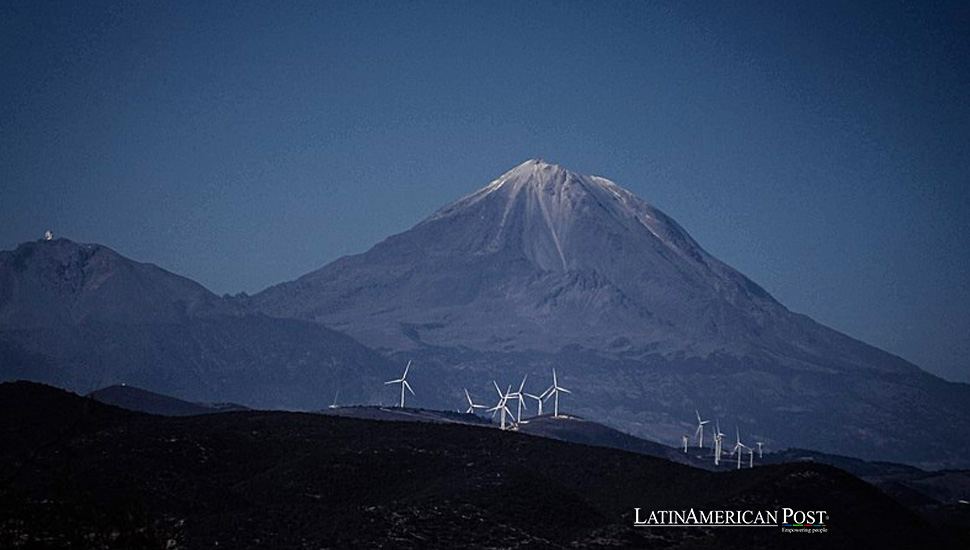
column 564, row 389
column 393, row 381
column 405, row 375
column 408, row 386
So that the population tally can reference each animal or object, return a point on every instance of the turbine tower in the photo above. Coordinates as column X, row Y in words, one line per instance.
column 685, row 446
column 471, row 404
column 403, row 382
column 761, row 453
column 501, row 408
column 334, row 404
column 739, row 447
column 554, row 390
column 718, row 443
column 521, row 399
column 699, row 434
column 538, row 401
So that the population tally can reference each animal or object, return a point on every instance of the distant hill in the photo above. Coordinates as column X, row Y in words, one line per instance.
column 82, row 317
column 136, row 399
column 289, row 480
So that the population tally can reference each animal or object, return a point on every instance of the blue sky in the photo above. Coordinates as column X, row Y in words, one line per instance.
column 821, row 148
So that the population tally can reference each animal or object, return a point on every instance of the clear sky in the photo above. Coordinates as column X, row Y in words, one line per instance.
column 821, row 148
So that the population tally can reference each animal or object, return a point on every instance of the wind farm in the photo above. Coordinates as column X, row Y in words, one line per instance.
column 510, row 412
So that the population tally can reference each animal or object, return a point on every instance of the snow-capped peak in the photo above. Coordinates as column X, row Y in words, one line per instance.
column 548, row 205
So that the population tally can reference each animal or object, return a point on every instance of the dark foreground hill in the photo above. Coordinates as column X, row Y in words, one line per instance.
column 80, row 474
column 137, row 399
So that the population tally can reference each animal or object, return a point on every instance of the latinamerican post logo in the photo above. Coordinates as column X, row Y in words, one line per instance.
column 788, row 520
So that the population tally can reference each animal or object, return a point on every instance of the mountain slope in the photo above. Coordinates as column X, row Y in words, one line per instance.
column 544, row 266
column 82, row 317
column 543, row 258
column 49, row 283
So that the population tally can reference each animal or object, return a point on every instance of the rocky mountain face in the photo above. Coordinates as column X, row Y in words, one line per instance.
column 82, row 317
column 544, row 267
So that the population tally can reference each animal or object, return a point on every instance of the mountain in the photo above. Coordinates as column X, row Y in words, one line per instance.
column 543, row 259
column 544, row 267
column 137, row 399
column 80, row 474
column 82, row 316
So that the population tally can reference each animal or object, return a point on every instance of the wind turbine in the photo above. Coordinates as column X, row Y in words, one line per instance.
column 538, row 399
column 471, row 404
column 501, row 408
column 739, row 447
column 554, row 390
column 404, row 383
column 685, row 444
column 699, row 434
column 521, row 398
column 718, row 444
column 761, row 453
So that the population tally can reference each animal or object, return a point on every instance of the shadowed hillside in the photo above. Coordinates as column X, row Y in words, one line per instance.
column 291, row 480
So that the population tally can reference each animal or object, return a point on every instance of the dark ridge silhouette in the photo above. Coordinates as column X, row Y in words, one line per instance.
column 281, row 480
column 137, row 399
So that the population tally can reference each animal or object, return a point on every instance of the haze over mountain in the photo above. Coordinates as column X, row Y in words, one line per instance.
column 82, row 317
column 546, row 267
